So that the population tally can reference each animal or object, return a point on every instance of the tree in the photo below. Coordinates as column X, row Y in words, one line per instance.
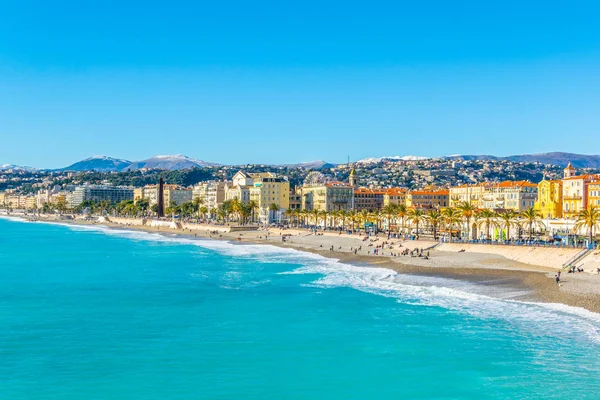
column 452, row 217
column 198, row 202
column 389, row 211
column 253, row 206
column 324, row 214
column 316, row 214
column 487, row 216
column 402, row 213
column 142, row 205
column 273, row 208
column 507, row 220
column 590, row 219
column 416, row 216
column 365, row 217
column 203, row 210
column 434, row 217
column 532, row 218
column 467, row 210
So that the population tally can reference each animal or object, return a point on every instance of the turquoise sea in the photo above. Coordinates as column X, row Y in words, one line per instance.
column 92, row 313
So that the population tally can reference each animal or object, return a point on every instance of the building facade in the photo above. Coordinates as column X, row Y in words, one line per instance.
column 510, row 195
column 330, row 196
column 550, row 202
column 428, row 199
column 114, row 194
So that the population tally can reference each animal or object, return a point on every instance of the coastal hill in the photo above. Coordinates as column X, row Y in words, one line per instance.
column 178, row 162
column 171, row 163
column 109, row 164
column 555, row 158
column 99, row 163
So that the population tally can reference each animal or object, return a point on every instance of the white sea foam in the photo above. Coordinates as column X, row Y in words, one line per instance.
column 456, row 295
column 459, row 296
column 12, row 218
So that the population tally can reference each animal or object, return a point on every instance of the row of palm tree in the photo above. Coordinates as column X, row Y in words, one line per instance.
column 459, row 220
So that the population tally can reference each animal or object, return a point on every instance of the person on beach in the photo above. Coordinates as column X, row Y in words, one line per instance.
column 557, row 278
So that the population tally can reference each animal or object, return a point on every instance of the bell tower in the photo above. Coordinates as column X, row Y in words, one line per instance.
column 353, row 179
column 569, row 171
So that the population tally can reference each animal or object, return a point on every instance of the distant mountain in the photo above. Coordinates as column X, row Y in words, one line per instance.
column 319, row 164
column 99, row 163
column 5, row 167
column 174, row 162
column 555, row 158
column 374, row 160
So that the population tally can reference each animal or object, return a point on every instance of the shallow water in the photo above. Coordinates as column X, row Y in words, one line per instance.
column 93, row 313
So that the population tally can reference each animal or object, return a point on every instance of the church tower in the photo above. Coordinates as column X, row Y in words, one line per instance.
column 353, row 179
column 569, row 171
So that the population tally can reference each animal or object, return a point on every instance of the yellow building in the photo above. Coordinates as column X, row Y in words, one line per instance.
column 550, row 198
column 267, row 191
column 469, row 194
column 594, row 193
column 575, row 194
column 394, row 196
column 437, row 198
column 330, row 196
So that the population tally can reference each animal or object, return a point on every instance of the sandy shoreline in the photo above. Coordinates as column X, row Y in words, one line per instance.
column 578, row 290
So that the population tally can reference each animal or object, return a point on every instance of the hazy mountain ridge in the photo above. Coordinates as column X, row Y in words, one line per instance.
column 178, row 162
column 555, row 158
column 170, row 162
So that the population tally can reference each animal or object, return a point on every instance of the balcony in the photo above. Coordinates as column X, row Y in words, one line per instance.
column 572, row 198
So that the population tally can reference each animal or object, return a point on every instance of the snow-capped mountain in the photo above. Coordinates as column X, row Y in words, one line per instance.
column 169, row 162
column 99, row 163
column 373, row 160
column 5, row 167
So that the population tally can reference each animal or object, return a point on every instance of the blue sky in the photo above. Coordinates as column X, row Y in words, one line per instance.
column 238, row 82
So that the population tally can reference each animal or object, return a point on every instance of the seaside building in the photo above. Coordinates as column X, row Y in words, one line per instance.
column 575, row 191
column 469, row 194
column 394, row 196
column 268, row 191
column 510, row 195
column 211, row 193
column 295, row 200
column 368, row 199
column 171, row 193
column 114, row 194
column 594, row 193
column 328, row 196
column 550, row 202
column 428, row 198
column 241, row 193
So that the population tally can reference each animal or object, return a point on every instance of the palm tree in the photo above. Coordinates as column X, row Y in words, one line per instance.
column 324, row 214
column 273, row 208
column 402, row 212
column 452, row 217
column 467, row 209
column 253, row 206
column 344, row 215
column 389, row 211
column 354, row 218
column 203, row 210
column 364, row 218
column 416, row 216
column 198, row 203
column 316, row 214
column 590, row 219
column 434, row 217
column 377, row 217
column 487, row 216
column 532, row 218
column 507, row 219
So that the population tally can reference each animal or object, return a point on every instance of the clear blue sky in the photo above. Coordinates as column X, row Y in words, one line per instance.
column 258, row 81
